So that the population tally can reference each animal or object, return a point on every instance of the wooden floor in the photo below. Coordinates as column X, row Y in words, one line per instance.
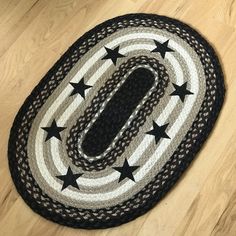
column 33, row 35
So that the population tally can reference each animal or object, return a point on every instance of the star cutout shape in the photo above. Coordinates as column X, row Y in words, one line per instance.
column 53, row 131
column 158, row 131
column 181, row 91
column 126, row 171
column 113, row 54
column 80, row 88
column 162, row 48
column 69, row 179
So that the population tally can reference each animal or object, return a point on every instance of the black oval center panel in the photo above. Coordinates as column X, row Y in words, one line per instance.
column 117, row 112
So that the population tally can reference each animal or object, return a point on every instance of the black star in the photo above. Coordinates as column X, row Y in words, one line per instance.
column 158, row 131
column 69, row 179
column 113, row 54
column 126, row 171
column 80, row 88
column 53, row 131
column 181, row 91
column 162, row 48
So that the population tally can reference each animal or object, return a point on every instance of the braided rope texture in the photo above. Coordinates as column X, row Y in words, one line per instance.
column 148, row 197
column 132, row 129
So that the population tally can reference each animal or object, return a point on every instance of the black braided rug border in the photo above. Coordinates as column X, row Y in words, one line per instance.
column 179, row 169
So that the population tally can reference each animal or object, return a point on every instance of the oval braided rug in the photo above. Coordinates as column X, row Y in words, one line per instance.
column 116, row 121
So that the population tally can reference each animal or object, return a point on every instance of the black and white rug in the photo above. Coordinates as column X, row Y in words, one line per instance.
column 116, row 121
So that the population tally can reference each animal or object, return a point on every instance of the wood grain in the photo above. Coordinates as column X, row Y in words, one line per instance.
column 35, row 33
